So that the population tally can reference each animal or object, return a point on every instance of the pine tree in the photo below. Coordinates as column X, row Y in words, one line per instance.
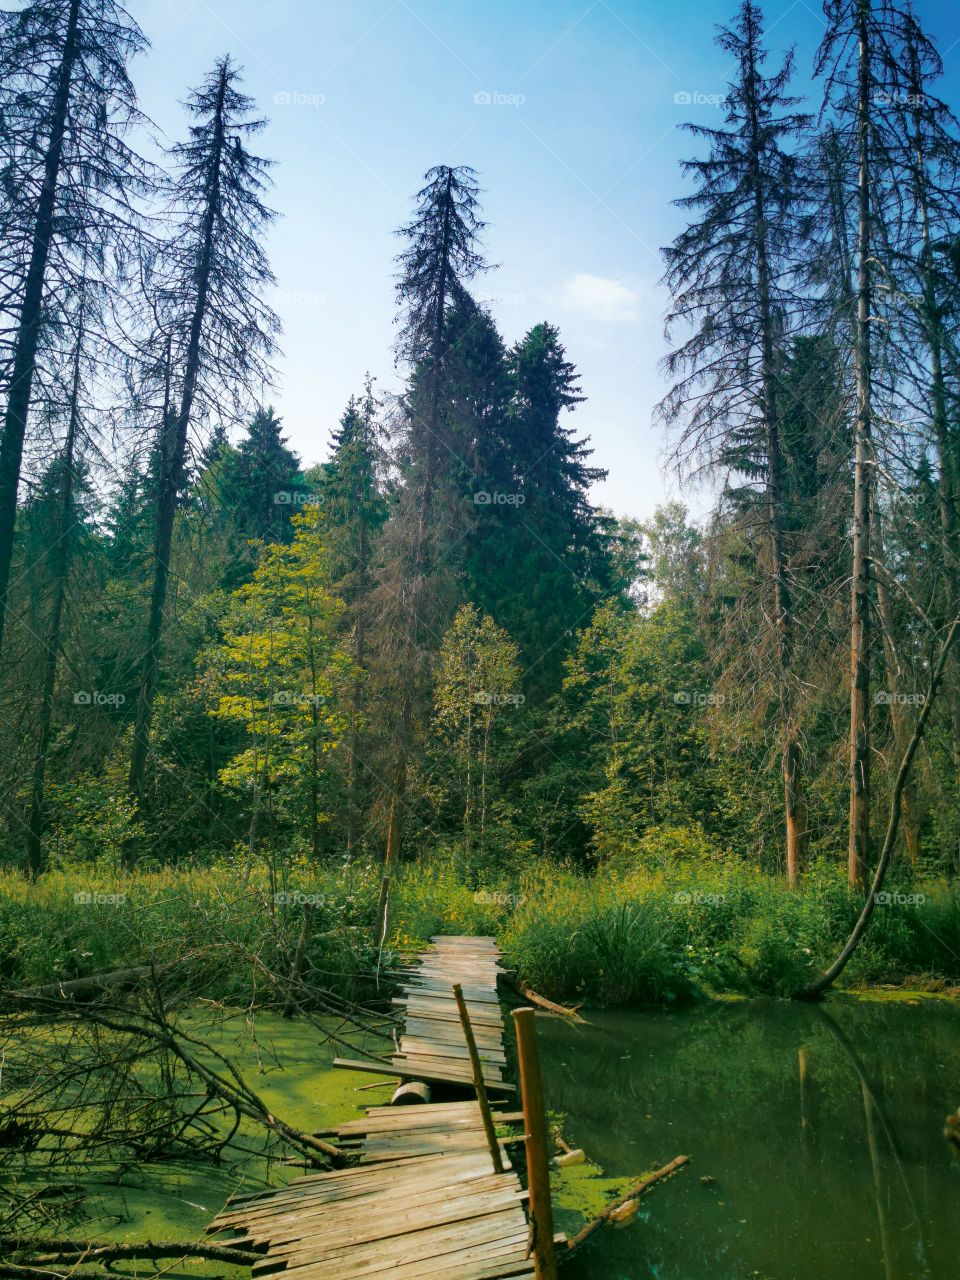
column 262, row 481
column 217, row 334
column 67, row 179
column 540, row 553
column 733, row 273
column 441, row 257
column 866, row 66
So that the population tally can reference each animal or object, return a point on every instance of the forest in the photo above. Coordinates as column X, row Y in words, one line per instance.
column 270, row 721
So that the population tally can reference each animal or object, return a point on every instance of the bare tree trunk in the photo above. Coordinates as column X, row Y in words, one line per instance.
column 51, row 643
column 31, row 311
column 174, row 452
column 858, row 853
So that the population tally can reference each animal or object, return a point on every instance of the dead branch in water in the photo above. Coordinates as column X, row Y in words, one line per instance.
column 585, row 1232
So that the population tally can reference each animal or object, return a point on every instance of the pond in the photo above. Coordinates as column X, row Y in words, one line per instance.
column 816, row 1137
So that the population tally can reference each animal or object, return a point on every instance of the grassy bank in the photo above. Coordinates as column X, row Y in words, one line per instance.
column 637, row 938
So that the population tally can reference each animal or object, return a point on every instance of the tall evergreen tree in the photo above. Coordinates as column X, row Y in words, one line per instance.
column 261, row 480
column 539, row 558
column 67, row 179
column 866, row 66
column 441, row 257
column 733, row 273
column 217, row 333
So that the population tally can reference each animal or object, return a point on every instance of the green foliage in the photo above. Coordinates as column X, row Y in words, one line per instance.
column 279, row 672
column 93, row 822
column 647, row 937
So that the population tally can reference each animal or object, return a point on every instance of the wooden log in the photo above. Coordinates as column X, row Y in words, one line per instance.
column 478, row 1081
column 586, row 1231
column 538, row 1156
column 411, row 1093
column 543, row 1003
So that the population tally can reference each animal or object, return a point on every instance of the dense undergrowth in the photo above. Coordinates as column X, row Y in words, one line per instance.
column 616, row 937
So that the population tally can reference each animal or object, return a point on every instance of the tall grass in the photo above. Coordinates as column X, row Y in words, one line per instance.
column 638, row 937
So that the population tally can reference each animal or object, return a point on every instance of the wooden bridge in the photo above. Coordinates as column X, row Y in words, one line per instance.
column 424, row 1197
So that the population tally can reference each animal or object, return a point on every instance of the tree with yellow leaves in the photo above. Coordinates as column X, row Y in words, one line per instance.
column 280, row 672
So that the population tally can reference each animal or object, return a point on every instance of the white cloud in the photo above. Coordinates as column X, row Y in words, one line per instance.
column 601, row 298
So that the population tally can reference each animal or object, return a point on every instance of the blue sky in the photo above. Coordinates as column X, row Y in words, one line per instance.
column 567, row 108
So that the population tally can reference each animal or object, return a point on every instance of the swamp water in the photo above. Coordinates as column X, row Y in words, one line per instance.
column 818, row 1133
column 816, row 1137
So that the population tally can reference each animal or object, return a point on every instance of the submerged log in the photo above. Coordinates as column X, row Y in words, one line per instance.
column 610, row 1213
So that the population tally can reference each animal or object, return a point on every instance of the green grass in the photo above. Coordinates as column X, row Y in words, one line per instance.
column 628, row 938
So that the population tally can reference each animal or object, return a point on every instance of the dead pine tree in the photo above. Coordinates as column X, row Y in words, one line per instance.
column 732, row 275
column 214, row 331
column 66, row 103
column 861, row 60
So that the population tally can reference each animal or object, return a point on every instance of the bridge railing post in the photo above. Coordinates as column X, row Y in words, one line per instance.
column 478, row 1081
column 538, row 1159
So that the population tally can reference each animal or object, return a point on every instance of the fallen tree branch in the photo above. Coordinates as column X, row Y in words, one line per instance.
column 47, row 1252
column 585, row 1232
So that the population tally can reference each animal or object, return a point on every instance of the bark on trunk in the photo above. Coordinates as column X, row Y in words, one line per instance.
column 51, row 657
column 858, row 852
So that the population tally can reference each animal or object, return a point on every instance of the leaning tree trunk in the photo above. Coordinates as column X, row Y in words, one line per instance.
column 827, row 979
column 29, row 321
column 858, row 853
column 51, row 643
column 174, row 453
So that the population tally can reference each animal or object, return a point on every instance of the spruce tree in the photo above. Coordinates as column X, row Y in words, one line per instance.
column 441, row 257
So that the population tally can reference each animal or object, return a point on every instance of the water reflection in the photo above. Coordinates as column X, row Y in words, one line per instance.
column 818, row 1133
